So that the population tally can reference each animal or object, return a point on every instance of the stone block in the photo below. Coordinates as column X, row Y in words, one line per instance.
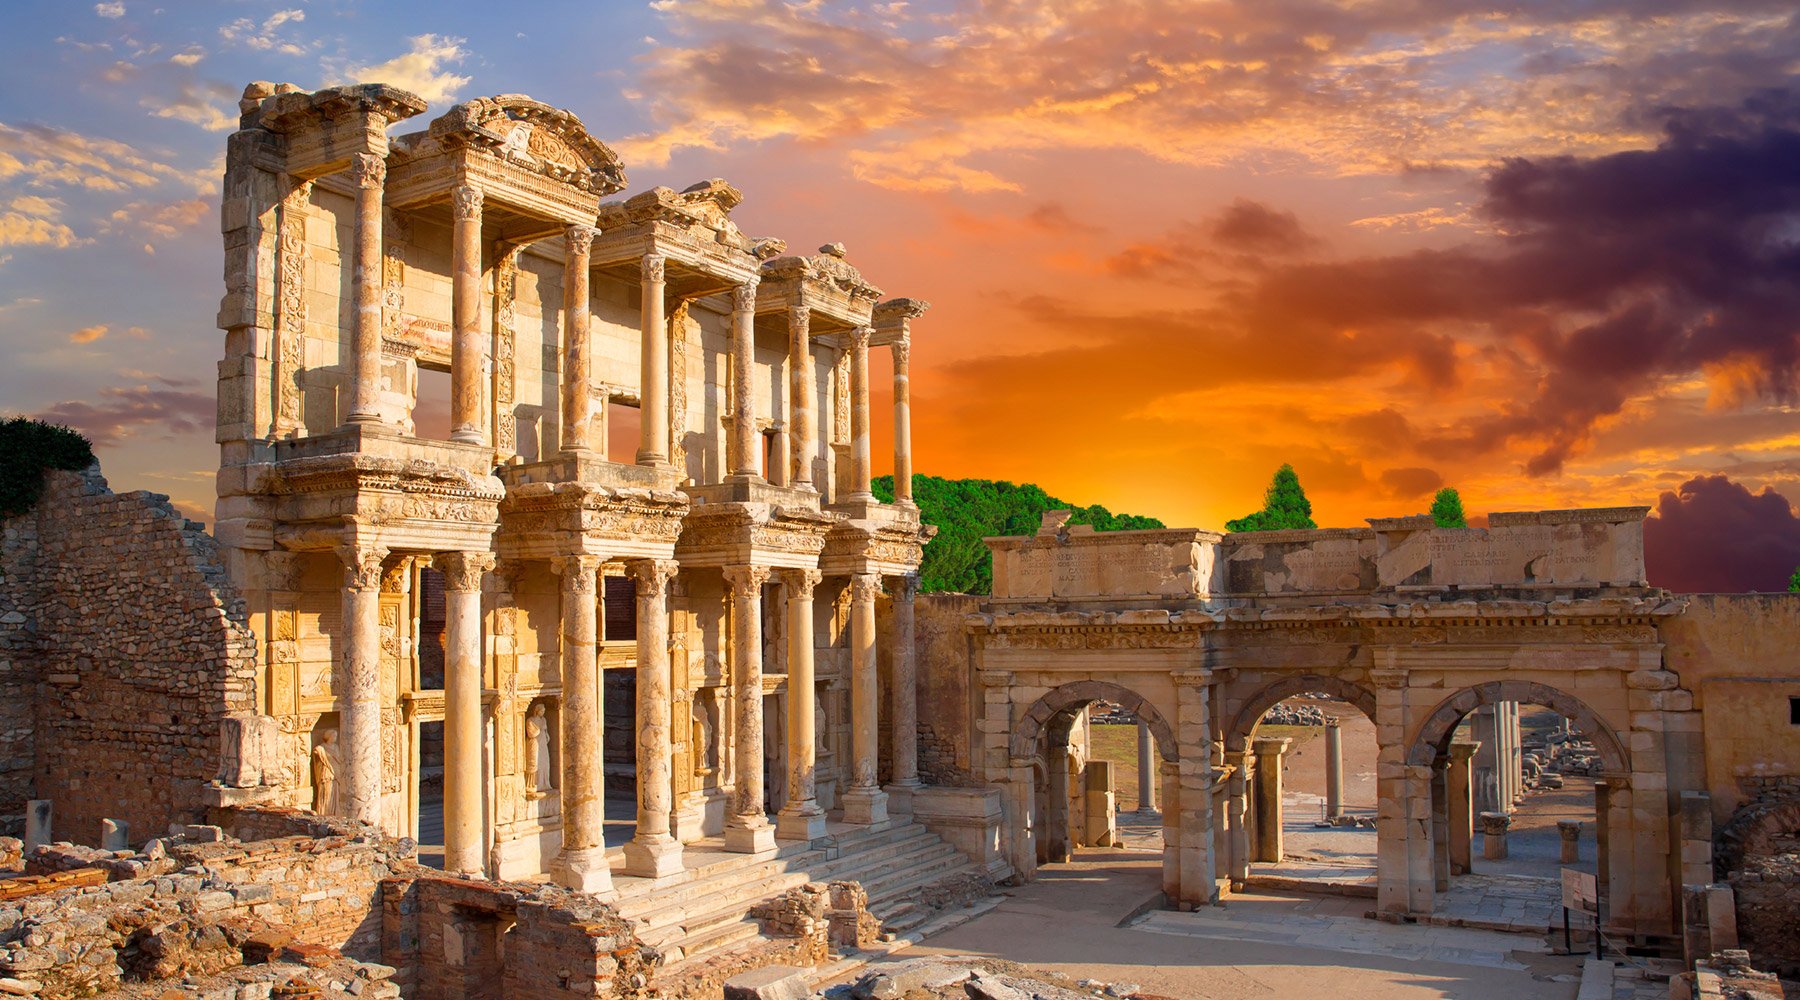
column 773, row 982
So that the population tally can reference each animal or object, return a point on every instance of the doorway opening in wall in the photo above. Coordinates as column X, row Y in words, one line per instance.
column 1123, row 743
column 618, row 666
column 431, row 403
column 1310, row 815
column 428, row 818
column 1076, row 778
column 623, row 431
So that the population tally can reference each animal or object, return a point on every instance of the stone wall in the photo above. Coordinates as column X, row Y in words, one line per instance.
column 124, row 638
column 1767, row 888
column 941, row 648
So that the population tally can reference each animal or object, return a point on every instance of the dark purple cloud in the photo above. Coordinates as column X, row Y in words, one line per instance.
column 1714, row 536
column 122, row 411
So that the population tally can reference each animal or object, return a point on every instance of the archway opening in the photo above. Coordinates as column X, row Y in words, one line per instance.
column 1121, row 741
column 1311, row 796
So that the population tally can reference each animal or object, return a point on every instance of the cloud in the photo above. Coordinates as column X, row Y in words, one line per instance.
column 45, row 156
column 1253, row 227
column 188, row 57
column 419, row 69
column 128, row 411
column 88, row 334
column 1714, row 536
column 1409, row 483
column 30, row 220
column 111, row 11
column 265, row 36
column 162, row 219
column 206, row 104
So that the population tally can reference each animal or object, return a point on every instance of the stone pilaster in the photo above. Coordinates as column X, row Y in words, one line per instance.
column 864, row 802
column 358, row 686
column 578, row 423
column 653, row 418
column 905, row 693
column 468, row 343
column 368, row 172
column 803, row 394
column 860, row 455
column 582, row 862
column 653, row 852
column 1193, row 696
column 801, row 818
column 1461, row 813
column 747, row 828
column 1269, row 752
column 743, row 380
column 1238, row 818
column 463, row 681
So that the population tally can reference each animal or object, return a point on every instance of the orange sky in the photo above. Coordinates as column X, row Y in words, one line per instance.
column 1169, row 245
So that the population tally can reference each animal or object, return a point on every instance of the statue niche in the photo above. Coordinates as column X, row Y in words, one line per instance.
column 324, row 774
column 540, row 766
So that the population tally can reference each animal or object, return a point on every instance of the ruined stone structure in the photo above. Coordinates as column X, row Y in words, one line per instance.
column 685, row 616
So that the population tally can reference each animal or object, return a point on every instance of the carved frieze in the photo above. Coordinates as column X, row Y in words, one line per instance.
column 506, row 281
column 290, row 305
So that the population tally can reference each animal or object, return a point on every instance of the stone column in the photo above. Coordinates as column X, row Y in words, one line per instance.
column 743, row 376
column 1461, row 808
column 747, row 829
column 358, row 685
column 1485, row 731
column 864, row 802
column 1056, row 801
column 1334, row 769
column 1193, row 696
column 653, row 852
column 904, row 590
column 464, row 775
column 1603, row 836
column 468, row 348
column 368, row 172
column 1170, row 776
column 578, row 423
column 803, row 395
column 38, row 826
column 582, row 862
column 1570, row 831
column 1493, row 835
column 1238, row 818
column 1269, row 751
column 902, row 349
column 653, row 417
column 1146, row 747
column 860, row 460
column 801, row 818
column 1440, row 825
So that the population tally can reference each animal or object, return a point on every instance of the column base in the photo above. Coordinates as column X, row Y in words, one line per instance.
column 749, row 835
column 900, row 796
column 583, row 870
column 657, row 856
column 865, row 806
column 804, row 823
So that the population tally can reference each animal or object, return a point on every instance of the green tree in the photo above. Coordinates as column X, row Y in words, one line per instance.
column 1284, row 506
column 27, row 448
column 1447, row 509
column 1794, row 581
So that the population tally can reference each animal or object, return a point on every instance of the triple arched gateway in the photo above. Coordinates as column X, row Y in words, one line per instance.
column 1198, row 634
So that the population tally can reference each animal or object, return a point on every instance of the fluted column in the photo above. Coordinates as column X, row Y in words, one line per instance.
column 578, row 424
column 747, row 829
column 743, row 379
column 368, row 172
column 358, row 684
column 803, row 394
column 463, row 677
column 801, row 818
column 653, row 852
column 904, row 590
column 468, row 343
column 864, row 801
column 902, row 351
column 582, row 862
column 860, row 461
column 653, row 438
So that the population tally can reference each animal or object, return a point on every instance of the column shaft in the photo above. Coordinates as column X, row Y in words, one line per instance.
column 1461, row 813
column 463, row 681
column 744, row 457
column 864, row 802
column 1268, row 798
column 902, row 350
column 468, row 343
column 860, row 454
column 747, row 829
column 801, row 818
column 1440, row 826
column 1238, row 818
column 653, row 436
column 906, row 689
column 359, row 685
column 582, row 863
column 1146, row 758
column 653, row 852
column 803, row 396
column 368, row 172
column 1334, row 770
column 578, row 423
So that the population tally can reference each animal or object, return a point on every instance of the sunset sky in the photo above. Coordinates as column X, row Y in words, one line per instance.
column 1545, row 251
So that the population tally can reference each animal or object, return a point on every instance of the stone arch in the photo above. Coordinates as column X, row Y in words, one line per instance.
column 1752, row 830
column 1237, row 735
column 1031, row 728
column 1433, row 739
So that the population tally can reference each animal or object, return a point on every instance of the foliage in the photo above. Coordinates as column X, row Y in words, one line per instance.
column 1447, row 509
column 1794, row 581
column 27, row 448
column 1284, row 506
column 967, row 510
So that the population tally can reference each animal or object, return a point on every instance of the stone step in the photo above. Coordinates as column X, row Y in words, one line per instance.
column 719, row 863
column 886, row 855
column 925, row 871
column 716, row 939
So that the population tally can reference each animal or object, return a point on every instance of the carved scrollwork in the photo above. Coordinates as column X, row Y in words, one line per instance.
column 655, row 266
column 368, row 170
column 743, row 297
column 465, row 203
column 865, row 587
column 580, row 573
column 362, row 565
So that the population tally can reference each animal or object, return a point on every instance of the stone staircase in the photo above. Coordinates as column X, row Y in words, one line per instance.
column 706, row 909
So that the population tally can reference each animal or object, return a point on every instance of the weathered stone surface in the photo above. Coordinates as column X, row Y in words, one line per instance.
column 775, row 982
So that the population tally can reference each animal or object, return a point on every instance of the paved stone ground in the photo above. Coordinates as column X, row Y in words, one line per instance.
column 1262, row 946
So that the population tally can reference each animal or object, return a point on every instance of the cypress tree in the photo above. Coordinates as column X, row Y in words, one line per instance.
column 1447, row 509
column 1284, row 506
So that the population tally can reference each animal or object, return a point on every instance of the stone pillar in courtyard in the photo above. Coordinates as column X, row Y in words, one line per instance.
column 1440, row 824
column 1269, row 752
column 1570, row 832
column 468, row 341
column 747, row 827
column 653, row 851
column 803, row 394
column 1334, row 769
column 358, row 684
column 864, row 801
column 368, row 174
column 744, row 437
column 801, row 818
column 653, row 416
column 1461, row 812
column 1193, row 695
column 904, row 591
column 1238, row 818
column 1146, row 759
column 464, row 677
column 1493, row 835
column 582, row 862
column 578, row 423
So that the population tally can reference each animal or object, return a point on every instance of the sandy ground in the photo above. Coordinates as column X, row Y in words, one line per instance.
column 1068, row 921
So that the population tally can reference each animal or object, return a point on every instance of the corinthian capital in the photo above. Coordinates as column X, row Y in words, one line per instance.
column 743, row 297
column 362, row 565
column 655, row 265
column 859, row 337
column 653, row 575
column 579, row 238
column 368, row 170
column 465, row 202
column 463, row 570
column 747, row 581
column 800, row 582
column 865, row 587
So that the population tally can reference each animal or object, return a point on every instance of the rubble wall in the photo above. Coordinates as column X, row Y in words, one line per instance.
column 941, row 651
column 1767, row 889
column 130, row 649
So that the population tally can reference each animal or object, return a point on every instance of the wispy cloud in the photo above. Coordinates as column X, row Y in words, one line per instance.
column 121, row 412
column 265, row 35
column 420, row 69
column 111, row 11
column 88, row 334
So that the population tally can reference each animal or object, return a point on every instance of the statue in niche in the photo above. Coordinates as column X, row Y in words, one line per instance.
column 820, row 726
column 537, row 753
column 324, row 774
column 705, row 752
